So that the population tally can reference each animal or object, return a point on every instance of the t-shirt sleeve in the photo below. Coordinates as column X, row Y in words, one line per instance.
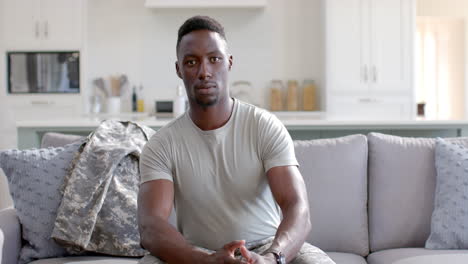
column 276, row 145
column 155, row 162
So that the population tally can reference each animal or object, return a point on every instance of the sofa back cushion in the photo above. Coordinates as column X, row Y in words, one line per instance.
column 335, row 173
column 402, row 178
column 53, row 139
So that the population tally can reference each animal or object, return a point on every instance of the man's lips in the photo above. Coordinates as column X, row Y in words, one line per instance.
column 205, row 88
column 205, row 85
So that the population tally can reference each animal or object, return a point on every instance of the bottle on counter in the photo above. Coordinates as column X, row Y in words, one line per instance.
column 140, row 101
column 276, row 95
column 309, row 96
column 134, row 99
column 179, row 102
column 292, row 104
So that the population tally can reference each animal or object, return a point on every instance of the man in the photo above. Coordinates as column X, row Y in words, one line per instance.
column 229, row 168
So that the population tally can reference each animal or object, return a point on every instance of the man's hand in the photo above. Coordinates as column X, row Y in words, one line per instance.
column 254, row 258
column 226, row 254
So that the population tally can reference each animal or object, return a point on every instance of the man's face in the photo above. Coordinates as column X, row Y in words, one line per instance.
column 203, row 64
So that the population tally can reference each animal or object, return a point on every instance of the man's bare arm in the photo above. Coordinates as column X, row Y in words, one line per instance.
column 161, row 239
column 155, row 201
column 288, row 188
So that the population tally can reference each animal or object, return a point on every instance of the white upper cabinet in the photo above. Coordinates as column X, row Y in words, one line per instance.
column 346, row 46
column 369, row 51
column 391, row 60
column 20, row 22
column 205, row 3
column 63, row 23
column 42, row 24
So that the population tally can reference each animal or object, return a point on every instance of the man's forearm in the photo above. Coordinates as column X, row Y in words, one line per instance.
column 163, row 241
column 292, row 231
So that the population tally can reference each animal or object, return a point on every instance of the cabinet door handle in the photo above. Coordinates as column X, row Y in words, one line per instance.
column 42, row 102
column 365, row 100
column 365, row 76
column 369, row 100
column 46, row 29
column 37, row 29
column 374, row 74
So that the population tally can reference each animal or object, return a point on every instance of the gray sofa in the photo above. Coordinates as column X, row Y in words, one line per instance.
column 371, row 199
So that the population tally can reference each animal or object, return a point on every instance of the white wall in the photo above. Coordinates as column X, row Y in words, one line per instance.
column 448, row 8
column 7, row 125
column 284, row 40
column 7, row 132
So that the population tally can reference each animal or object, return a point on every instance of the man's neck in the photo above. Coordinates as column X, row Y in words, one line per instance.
column 212, row 117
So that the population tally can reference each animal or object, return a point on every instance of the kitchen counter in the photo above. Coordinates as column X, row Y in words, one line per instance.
column 314, row 119
column 300, row 126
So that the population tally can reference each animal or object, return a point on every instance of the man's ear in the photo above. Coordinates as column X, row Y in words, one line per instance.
column 178, row 70
column 230, row 62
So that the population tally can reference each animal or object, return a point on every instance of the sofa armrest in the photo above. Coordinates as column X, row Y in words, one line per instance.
column 10, row 236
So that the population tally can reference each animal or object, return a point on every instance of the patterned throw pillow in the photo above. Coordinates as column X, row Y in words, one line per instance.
column 449, row 222
column 35, row 177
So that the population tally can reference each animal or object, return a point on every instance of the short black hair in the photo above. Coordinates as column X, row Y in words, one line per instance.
column 199, row 23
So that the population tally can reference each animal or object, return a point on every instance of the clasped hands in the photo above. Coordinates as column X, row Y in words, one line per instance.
column 226, row 255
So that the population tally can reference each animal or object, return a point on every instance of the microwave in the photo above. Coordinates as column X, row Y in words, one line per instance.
column 43, row 72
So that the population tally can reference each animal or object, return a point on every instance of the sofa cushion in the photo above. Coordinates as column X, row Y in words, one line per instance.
column 52, row 139
column 346, row 258
column 449, row 222
column 418, row 256
column 34, row 178
column 87, row 260
column 335, row 173
column 401, row 190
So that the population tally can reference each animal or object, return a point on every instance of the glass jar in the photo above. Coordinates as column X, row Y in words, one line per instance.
column 309, row 96
column 292, row 97
column 276, row 95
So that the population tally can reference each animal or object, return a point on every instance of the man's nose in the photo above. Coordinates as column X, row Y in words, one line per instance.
column 205, row 70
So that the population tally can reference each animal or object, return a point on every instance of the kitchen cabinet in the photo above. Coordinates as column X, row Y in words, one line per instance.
column 369, row 55
column 42, row 24
column 20, row 22
column 205, row 3
column 370, row 107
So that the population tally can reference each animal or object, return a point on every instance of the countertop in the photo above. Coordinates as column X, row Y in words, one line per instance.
column 301, row 126
column 289, row 119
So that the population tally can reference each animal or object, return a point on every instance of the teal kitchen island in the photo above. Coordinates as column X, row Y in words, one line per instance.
column 30, row 132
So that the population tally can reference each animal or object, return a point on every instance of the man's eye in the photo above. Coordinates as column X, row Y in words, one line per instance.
column 190, row 62
column 215, row 59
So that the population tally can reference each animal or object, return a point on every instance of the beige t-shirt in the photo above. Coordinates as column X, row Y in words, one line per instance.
column 220, row 185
